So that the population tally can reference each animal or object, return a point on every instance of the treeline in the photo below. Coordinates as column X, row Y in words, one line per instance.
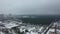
column 41, row 19
column 37, row 20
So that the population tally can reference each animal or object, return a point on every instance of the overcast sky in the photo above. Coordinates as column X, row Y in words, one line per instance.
column 38, row 7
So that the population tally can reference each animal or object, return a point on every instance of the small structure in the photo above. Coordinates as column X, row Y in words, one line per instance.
column 51, row 32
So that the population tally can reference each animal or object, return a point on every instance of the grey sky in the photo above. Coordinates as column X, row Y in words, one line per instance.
column 30, row 7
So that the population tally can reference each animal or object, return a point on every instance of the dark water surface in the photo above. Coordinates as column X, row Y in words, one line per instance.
column 41, row 19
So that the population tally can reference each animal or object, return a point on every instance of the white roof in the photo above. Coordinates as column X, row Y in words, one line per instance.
column 10, row 25
column 31, row 29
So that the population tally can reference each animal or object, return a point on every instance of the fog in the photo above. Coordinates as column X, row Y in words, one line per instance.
column 33, row 7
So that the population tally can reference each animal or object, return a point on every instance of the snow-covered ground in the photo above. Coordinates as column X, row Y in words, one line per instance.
column 51, row 30
column 31, row 28
column 1, row 32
